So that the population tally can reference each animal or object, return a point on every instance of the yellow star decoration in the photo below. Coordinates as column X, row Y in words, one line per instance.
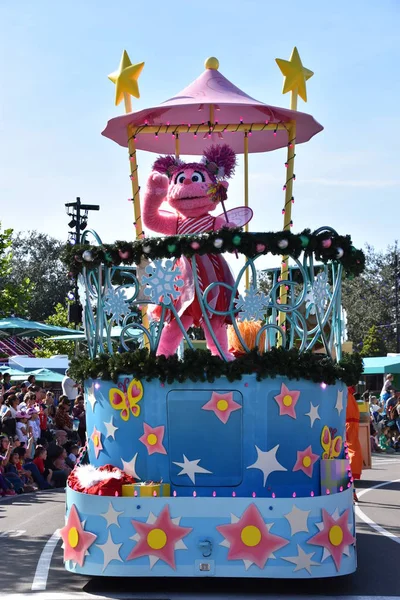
column 295, row 74
column 126, row 78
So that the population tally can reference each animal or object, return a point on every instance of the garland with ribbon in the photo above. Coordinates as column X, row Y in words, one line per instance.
column 200, row 365
column 324, row 245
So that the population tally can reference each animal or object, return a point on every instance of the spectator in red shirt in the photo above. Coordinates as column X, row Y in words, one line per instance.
column 39, row 461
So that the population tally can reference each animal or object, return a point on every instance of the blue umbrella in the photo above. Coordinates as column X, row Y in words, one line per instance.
column 14, row 326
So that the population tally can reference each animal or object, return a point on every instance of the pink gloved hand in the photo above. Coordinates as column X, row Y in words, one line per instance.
column 157, row 187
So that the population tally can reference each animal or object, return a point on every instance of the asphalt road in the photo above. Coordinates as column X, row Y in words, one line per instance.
column 28, row 522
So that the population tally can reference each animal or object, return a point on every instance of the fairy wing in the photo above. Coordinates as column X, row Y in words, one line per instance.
column 237, row 217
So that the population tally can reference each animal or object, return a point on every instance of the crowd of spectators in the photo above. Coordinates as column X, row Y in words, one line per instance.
column 385, row 418
column 39, row 438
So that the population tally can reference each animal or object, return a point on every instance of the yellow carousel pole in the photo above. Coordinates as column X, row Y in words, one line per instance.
column 295, row 77
column 126, row 85
column 246, row 191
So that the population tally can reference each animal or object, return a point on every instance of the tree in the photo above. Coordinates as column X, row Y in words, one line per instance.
column 373, row 344
column 37, row 256
column 369, row 300
column 47, row 347
column 14, row 294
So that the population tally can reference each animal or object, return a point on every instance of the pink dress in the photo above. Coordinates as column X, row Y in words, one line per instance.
column 209, row 268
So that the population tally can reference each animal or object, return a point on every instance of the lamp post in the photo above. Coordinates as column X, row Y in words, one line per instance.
column 79, row 216
column 396, row 298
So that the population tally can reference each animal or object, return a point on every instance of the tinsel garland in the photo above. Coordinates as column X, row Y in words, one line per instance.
column 200, row 365
column 324, row 245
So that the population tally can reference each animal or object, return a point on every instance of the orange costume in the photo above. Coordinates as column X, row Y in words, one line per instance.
column 353, row 442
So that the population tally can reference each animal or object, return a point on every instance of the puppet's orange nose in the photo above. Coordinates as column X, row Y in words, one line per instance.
column 187, row 181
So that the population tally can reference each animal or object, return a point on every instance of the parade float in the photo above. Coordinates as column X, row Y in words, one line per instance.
column 228, row 460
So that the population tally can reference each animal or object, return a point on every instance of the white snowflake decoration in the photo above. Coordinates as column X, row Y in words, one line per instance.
column 252, row 306
column 310, row 305
column 320, row 291
column 116, row 304
column 162, row 281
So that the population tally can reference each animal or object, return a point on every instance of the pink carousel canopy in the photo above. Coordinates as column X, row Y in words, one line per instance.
column 192, row 106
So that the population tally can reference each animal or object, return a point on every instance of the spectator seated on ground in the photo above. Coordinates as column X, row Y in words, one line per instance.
column 8, row 415
column 63, row 420
column 56, row 461
column 28, row 465
column 39, row 460
column 20, row 478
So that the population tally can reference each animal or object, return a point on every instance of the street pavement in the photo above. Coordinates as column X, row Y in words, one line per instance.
column 31, row 555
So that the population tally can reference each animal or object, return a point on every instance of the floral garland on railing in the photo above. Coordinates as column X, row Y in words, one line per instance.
column 200, row 365
column 325, row 245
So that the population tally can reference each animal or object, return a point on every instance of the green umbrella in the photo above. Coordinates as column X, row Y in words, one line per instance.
column 14, row 326
column 42, row 375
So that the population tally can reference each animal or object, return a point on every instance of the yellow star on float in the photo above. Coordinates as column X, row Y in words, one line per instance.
column 295, row 74
column 126, row 78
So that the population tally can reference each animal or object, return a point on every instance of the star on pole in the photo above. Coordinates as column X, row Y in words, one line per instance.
column 267, row 462
column 295, row 74
column 191, row 468
column 126, row 78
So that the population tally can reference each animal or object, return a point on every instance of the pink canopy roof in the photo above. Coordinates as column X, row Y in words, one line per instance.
column 192, row 104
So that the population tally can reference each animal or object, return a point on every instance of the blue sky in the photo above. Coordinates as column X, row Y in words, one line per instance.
column 56, row 99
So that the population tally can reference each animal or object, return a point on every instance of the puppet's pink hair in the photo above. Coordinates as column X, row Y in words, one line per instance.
column 167, row 165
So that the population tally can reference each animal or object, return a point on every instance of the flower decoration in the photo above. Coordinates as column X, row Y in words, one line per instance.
column 159, row 538
column 287, row 400
column 153, row 439
column 223, row 405
column 126, row 398
column 331, row 443
column 249, row 538
column 334, row 536
column 163, row 281
column 116, row 304
column 321, row 291
column 253, row 306
column 96, row 439
column 305, row 461
column 76, row 540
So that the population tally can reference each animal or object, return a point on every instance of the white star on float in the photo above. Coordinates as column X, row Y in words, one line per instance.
column 302, row 560
column 313, row 414
column 91, row 397
column 111, row 429
column 111, row 516
column 339, row 402
column 130, row 466
column 267, row 462
column 110, row 550
column 298, row 519
column 191, row 468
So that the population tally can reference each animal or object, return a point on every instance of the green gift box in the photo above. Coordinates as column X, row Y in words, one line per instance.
column 334, row 475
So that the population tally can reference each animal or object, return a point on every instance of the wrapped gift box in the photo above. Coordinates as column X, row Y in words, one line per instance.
column 334, row 475
column 147, row 489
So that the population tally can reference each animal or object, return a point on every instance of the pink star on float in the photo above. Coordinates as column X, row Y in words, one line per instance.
column 96, row 439
column 153, row 439
column 222, row 405
column 287, row 400
column 305, row 461
column 334, row 536
column 76, row 540
column 159, row 539
column 249, row 538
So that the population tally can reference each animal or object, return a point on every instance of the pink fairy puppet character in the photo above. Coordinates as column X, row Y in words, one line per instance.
column 193, row 190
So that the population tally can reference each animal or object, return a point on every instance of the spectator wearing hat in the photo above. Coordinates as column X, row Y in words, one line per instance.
column 34, row 423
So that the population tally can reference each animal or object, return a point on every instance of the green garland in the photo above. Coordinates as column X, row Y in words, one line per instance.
column 281, row 243
column 200, row 365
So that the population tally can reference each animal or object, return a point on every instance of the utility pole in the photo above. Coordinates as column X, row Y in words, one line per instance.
column 396, row 297
column 79, row 213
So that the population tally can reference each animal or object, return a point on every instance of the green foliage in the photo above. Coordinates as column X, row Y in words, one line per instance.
column 369, row 300
column 229, row 240
column 37, row 256
column 14, row 295
column 373, row 344
column 200, row 365
column 47, row 347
